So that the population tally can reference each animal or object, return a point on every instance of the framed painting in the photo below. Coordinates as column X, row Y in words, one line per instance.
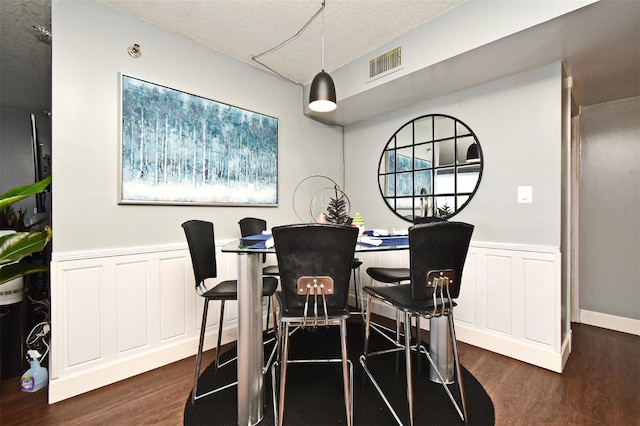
column 180, row 148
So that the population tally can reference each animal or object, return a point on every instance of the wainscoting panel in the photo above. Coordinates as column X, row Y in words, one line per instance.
column 498, row 292
column 173, row 297
column 509, row 302
column 540, row 297
column 118, row 313
column 123, row 312
column 83, row 315
column 466, row 309
column 132, row 305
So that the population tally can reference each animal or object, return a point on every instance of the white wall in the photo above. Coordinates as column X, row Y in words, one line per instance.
column 511, row 298
column 473, row 24
column 610, row 213
column 89, row 52
column 122, row 298
column 517, row 120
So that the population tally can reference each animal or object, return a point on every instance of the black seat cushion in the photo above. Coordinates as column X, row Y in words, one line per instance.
column 271, row 270
column 400, row 296
column 298, row 312
column 228, row 290
column 389, row 275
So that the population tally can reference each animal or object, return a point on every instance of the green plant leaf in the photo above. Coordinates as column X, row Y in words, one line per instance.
column 19, row 192
column 14, row 247
column 16, row 270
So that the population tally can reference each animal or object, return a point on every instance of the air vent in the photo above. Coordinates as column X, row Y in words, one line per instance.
column 385, row 64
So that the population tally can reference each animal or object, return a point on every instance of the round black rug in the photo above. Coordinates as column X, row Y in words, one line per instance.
column 314, row 391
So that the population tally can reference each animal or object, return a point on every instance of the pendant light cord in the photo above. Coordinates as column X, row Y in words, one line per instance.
column 284, row 43
column 322, row 38
column 290, row 39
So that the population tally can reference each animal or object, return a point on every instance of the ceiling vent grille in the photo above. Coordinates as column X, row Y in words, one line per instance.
column 385, row 64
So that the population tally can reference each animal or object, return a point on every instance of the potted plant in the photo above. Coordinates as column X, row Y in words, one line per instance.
column 16, row 246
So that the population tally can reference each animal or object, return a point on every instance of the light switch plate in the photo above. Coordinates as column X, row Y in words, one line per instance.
column 525, row 194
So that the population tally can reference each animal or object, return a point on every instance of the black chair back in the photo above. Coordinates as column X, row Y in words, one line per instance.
column 317, row 250
column 252, row 226
column 202, row 247
column 418, row 220
column 437, row 246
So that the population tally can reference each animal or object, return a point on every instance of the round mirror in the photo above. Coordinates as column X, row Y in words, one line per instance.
column 430, row 168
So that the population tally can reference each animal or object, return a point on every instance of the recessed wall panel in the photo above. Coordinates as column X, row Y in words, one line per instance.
column 83, row 314
column 498, row 293
column 132, row 316
column 540, row 295
column 465, row 311
column 172, row 297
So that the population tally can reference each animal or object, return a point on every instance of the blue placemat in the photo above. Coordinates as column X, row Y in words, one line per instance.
column 401, row 240
column 257, row 241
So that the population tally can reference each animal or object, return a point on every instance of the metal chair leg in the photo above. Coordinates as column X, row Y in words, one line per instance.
column 367, row 327
column 283, row 373
column 407, row 356
column 345, row 373
column 274, row 351
column 219, row 335
column 456, row 361
column 199, row 354
column 418, row 344
column 357, row 280
column 268, row 313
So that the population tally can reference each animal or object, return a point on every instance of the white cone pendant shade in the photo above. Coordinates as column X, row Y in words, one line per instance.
column 322, row 96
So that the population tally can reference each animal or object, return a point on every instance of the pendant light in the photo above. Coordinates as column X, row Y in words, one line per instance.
column 322, row 95
column 472, row 153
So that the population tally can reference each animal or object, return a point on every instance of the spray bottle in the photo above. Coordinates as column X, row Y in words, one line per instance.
column 36, row 377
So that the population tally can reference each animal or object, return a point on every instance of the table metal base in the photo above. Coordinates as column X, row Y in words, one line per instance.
column 250, row 351
column 441, row 350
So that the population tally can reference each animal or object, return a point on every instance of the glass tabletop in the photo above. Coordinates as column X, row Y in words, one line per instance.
column 248, row 245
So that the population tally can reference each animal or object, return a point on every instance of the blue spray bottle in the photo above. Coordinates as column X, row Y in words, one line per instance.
column 36, row 377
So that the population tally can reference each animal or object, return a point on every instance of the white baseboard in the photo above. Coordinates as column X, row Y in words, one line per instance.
column 521, row 350
column 611, row 322
column 86, row 380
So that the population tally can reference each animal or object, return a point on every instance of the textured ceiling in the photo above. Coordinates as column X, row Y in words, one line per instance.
column 25, row 61
column 238, row 28
column 243, row 28
column 598, row 43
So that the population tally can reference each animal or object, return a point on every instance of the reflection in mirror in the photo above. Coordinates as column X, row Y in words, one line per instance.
column 431, row 167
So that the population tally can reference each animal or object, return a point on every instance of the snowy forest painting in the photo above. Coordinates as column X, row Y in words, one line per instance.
column 179, row 148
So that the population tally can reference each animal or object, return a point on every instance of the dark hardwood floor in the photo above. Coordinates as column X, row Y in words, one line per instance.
column 599, row 386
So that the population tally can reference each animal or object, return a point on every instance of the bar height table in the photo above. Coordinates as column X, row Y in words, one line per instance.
column 249, row 346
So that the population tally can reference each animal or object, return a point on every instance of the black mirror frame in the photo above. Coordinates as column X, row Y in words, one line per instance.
column 417, row 198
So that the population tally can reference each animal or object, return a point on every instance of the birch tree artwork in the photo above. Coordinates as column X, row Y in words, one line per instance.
column 179, row 148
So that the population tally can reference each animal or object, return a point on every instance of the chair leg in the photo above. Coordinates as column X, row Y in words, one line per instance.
column 199, row 354
column 274, row 351
column 345, row 372
column 219, row 335
column 279, row 341
column 398, row 339
column 283, row 373
column 357, row 281
column 418, row 344
column 456, row 360
column 268, row 313
column 273, row 312
column 367, row 326
column 407, row 356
